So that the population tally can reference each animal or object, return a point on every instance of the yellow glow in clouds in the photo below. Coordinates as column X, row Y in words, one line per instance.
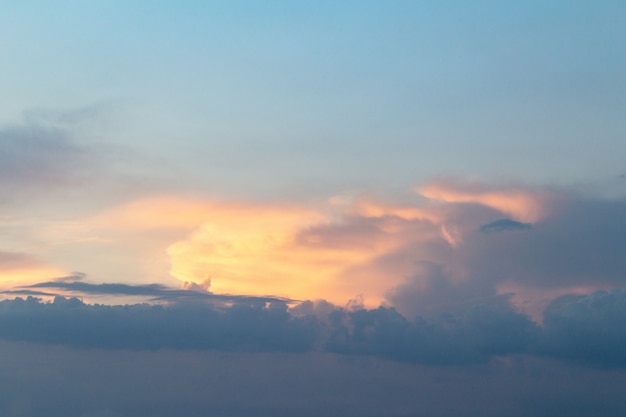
column 337, row 251
column 235, row 247
column 261, row 250
column 14, row 277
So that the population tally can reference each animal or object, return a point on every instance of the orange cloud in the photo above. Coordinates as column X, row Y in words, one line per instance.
column 368, row 208
column 237, row 247
column 520, row 203
column 10, row 278
column 270, row 250
column 298, row 252
column 329, row 251
column 335, row 250
column 24, row 268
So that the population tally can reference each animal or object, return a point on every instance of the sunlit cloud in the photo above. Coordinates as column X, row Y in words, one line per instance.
column 14, row 277
column 325, row 251
column 247, row 249
column 448, row 247
column 523, row 204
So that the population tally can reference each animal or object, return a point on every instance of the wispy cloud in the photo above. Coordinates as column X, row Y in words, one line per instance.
column 520, row 202
column 18, row 268
column 17, row 260
column 40, row 153
column 154, row 292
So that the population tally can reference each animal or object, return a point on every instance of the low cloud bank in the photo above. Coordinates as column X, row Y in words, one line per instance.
column 241, row 327
column 582, row 329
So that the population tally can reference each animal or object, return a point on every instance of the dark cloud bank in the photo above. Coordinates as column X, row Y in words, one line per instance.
column 254, row 357
column 578, row 244
column 457, row 349
column 587, row 330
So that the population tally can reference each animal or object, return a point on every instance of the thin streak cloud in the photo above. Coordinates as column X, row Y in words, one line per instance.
column 154, row 292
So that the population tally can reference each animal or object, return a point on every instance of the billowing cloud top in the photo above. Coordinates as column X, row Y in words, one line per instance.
column 420, row 256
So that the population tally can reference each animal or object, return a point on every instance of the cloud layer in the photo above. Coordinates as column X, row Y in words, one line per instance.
column 451, row 247
column 585, row 329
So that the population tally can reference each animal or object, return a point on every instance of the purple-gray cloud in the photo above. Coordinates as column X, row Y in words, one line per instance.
column 585, row 330
column 154, row 292
column 504, row 225
column 577, row 244
column 38, row 154
column 52, row 151
column 197, row 360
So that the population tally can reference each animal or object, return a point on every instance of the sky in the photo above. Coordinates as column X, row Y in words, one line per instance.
column 399, row 209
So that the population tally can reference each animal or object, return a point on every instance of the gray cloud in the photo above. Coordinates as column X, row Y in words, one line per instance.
column 473, row 335
column 251, row 355
column 581, row 243
column 38, row 153
column 504, row 225
column 433, row 289
column 154, row 292
column 242, row 326
column 29, row 292
column 52, row 151
column 585, row 330
column 578, row 244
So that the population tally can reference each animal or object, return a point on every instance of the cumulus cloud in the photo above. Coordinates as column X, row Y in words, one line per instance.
column 573, row 247
column 313, row 359
column 205, row 285
column 248, row 324
column 473, row 335
column 457, row 277
column 587, row 330
column 431, row 252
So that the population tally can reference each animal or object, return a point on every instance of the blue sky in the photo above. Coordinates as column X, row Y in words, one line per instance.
column 339, row 96
column 429, row 197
